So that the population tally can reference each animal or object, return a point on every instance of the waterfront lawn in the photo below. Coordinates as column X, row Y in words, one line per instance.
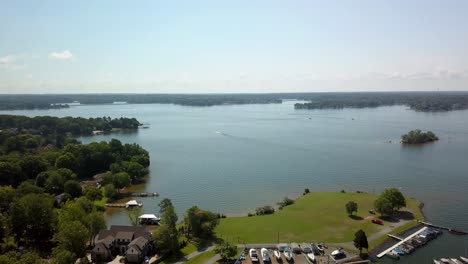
column 319, row 217
column 202, row 258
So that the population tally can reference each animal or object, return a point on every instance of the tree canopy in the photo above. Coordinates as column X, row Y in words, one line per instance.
column 351, row 207
column 418, row 137
column 389, row 201
column 360, row 240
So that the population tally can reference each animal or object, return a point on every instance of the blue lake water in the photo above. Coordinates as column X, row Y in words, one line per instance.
column 234, row 158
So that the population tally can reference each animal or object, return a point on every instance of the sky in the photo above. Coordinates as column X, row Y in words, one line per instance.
column 232, row 46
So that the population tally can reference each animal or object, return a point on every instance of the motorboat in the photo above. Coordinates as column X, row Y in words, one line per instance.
column 277, row 254
column 287, row 253
column 253, row 255
column 321, row 248
column 311, row 257
column 393, row 255
column 437, row 262
column 456, row 261
column 265, row 255
column 464, row 259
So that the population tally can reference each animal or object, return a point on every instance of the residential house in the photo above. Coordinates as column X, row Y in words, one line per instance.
column 134, row 242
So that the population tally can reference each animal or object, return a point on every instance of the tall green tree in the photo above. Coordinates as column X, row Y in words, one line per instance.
column 389, row 201
column 32, row 218
column 200, row 223
column 360, row 240
column 166, row 236
column 226, row 250
column 72, row 236
column 133, row 215
column 165, row 203
column 73, row 188
column 351, row 207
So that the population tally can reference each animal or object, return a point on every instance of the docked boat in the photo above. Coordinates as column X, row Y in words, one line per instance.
column 148, row 219
column 393, row 255
column 321, row 248
column 277, row 254
column 253, row 255
column 456, row 261
column 437, row 262
column 287, row 253
column 311, row 257
column 265, row 255
column 464, row 259
column 399, row 251
column 446, row 260
column 133, row 203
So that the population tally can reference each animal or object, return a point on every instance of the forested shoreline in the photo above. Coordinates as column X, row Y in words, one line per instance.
column 43, row 204
column 418, row 101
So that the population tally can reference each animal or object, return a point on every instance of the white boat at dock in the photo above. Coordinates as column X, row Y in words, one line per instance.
column 133, row 203
column 265, row 255
column 464, row 259
column 277, row 254
column 287, row 253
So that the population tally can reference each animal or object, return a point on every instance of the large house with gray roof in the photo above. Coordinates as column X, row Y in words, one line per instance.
column 133, row 242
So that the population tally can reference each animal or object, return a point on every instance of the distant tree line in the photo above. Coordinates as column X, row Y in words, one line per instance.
column 418, row 137
column 424, row 102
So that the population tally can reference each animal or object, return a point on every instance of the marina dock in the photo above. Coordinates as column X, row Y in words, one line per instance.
column 402, row 241
column 455, row 231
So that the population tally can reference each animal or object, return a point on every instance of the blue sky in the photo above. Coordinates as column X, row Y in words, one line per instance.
column 232, row 46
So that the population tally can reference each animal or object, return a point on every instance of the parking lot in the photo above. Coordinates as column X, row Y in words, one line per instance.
column 297, row 258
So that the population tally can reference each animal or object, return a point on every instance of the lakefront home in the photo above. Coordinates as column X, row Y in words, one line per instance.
column 133, row 242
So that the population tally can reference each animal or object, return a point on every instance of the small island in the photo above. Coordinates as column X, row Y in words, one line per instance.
column 418, row 137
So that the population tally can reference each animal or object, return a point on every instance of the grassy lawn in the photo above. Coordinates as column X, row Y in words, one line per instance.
column 202, row 258
column 317, row 217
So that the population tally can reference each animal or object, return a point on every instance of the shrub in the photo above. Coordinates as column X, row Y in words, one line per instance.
column 306, row 191
column 265, row 210
column 286, row 201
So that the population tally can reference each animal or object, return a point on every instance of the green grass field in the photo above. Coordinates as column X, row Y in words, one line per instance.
column 319, row 217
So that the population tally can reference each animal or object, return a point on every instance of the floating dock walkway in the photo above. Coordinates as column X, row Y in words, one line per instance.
column 402, row 241
column 455, row 231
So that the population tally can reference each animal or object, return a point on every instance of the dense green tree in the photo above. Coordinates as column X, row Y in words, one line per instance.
column 110, row 191
column 165, row 203
column 119, row 180
column 351, row 207
column 133, row 215
column 360, row 240
column 7, row 195
column 93, row 193
column 73, row 188
column 389, row 201
column 29, row 257
column 54, row 183
column 142, row 160
column 62, row 256
column 32, row 218
column 169, row 217
column 31, row 166
column 96, row 223
column 10, row 174
column 67, row 161
column 72, row 237
column 200, row 223
column 418, row 137
column 226, row 250
column 27, row 188
column 165, row 239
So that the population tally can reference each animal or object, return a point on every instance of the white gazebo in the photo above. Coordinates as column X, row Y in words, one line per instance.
column 148, row 219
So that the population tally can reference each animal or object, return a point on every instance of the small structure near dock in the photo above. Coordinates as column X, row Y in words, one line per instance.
column 148, row 219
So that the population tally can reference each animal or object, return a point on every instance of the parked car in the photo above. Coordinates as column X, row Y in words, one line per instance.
column 315, row 249
column 295, row 248
column 377, row 221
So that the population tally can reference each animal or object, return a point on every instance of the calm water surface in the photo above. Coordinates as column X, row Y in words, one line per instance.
column 232, row 159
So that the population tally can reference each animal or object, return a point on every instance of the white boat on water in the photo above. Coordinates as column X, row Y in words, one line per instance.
column 277, row 254
column 456, row 261
column 265, row 255
column 437, row 262
column 253, row 255
column 446, row 260
column 287, row 253
column 311, row 257
column 464, row 259
column 133, row 203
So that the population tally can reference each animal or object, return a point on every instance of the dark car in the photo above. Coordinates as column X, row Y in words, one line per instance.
column 315, row 249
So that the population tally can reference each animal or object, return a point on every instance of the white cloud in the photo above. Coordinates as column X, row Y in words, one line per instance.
column 7, row 61
column 64, row 55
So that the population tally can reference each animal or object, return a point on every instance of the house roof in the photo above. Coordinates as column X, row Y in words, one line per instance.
column 138, row 231
column 125, row 235
column 106, row 241
column 138, row 243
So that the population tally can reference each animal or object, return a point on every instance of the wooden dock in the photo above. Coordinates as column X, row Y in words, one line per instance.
column 119, row 205
column 139, row 194
column 383, row 253
column 452, row 230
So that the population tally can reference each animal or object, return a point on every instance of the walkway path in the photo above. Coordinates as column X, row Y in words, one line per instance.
column 194, row 254
column 214, row 259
